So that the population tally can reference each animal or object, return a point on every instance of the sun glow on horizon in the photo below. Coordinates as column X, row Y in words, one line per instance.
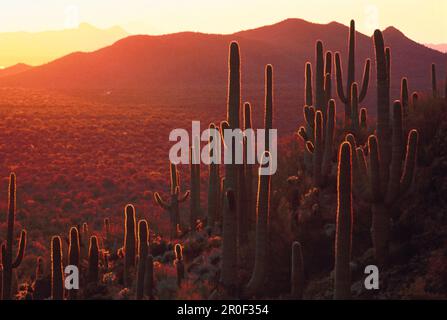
column 424, row 23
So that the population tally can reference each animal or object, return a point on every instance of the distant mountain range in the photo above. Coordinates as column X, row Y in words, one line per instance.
column 35, row 48
column 191, row 68
column 442, row 47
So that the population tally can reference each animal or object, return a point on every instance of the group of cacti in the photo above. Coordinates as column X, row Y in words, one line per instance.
column 380, row 178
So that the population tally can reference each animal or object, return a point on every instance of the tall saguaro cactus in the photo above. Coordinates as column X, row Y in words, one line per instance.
column 195, row 184
column 176, row 198
column 383, row 104
column 7, row 260
column 57, row 276
column 342, row 283
column 130, row 238
column 93, row 260
column 346, row 97
column 143, row 251
column 228, row 276
column 258, row 276
column 74, row 253
column 213, row 181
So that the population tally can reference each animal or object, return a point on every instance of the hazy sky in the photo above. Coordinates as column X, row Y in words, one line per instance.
column 421, row 20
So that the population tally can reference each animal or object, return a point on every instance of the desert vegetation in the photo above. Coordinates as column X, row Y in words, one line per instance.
column 91, row 187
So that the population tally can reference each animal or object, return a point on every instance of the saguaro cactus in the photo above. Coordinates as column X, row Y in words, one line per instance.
column 228, row 276
column 57, row 275
column 74, row 253
column 8, row 263
column 383, row 104
column 149, row 277
column 257, row 279
column 195, row 209
column 322, row 85
column 176, row 198
column 297, row 272
column 130, row 237
column 346, row 98
column 319, row 141
column 248, row 197
column 93, row 260
column 342, row 283
column 143, row 251
column 404, row 98
column 213, row 182
column 179, row 264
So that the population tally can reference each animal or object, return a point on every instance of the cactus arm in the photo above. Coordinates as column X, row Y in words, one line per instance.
column 309, row 116
column 318, row 148
column 310, row 147
column 303, row 134
column 21, row 251
column 339, row 79
column 184, row 196
column 365, row 80
column 327, row 87
column 410, row 161
column 308, row 99
column 328, row 63
column 162, row 203
column 354, row 107
column 297, row 277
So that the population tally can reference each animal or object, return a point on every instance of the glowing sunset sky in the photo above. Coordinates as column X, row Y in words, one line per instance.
column 421, row 20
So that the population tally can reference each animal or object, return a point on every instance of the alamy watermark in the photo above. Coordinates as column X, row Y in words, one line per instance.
column 256, row 146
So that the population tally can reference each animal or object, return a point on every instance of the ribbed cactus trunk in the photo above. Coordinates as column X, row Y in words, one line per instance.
column 256, row 283
column 318, row 149
column 74, row 253
column 248, row 196
column 7, row 261
column 195, row 184
column 129, row 241
column 143, row 251
column 228, row 276
column 404, row 98
column 343, row 236
column 297, row 271
column 93, row 261
column 383, row 106
column 213, row 182
column 57, row 276
column 179, row 264
column 346, row 98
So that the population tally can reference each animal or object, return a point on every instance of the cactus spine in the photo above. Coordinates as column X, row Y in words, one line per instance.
column 129, row 241
column 297, row 272
column 258, row 276
column 180, row 266
column 7, row 260
column 57, row 276
column 176, row 198
column 74, row 252
column 346, row 98
column 143, row 251
column 342, row 283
